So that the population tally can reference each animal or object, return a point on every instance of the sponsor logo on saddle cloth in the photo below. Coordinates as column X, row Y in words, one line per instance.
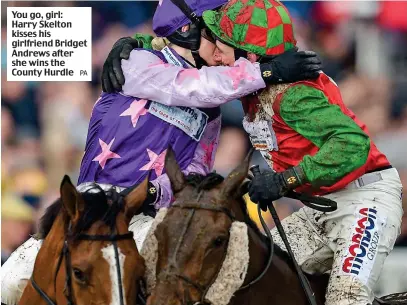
column 192, row 121
column 365, row 237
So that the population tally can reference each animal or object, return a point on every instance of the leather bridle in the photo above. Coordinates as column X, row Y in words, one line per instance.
column 65, row 254
column 203, row 289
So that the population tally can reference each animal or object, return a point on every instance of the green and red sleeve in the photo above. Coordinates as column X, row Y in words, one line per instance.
column 343, row 145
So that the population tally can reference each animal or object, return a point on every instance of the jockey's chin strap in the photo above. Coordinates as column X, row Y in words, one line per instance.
column 240, row 53
column 195, row 39
column 323, row 204
column 199, row 61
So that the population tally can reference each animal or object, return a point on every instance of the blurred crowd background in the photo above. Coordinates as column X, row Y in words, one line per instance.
column 363, row 46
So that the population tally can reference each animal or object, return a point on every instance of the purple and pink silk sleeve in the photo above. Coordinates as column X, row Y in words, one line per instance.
column 148, row 77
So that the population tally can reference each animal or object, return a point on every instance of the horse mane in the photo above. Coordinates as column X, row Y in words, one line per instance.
column 202, row 182
column 99, row 205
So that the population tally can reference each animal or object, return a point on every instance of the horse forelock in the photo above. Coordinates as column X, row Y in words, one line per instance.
column 203, row 182
column 99, row 206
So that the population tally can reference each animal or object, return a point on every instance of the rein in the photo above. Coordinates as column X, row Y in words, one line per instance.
column 204, row 289
column 321, row 204
column 65, row 254
column 317, row 203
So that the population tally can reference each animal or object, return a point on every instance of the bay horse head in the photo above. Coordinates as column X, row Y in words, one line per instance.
column 205, row 249
column 202, row 240
column 88, row 256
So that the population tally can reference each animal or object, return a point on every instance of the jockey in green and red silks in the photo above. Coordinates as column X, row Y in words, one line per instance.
column 313, row 143
column 317, row 133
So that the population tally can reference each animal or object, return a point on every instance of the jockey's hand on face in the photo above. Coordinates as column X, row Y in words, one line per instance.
column 269, row 185
column 290, row 66
column 112, row 74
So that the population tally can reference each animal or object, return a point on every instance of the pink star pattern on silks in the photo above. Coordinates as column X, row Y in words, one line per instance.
column 156, row 162
column 208, row 152
column 188, row 73
column 135, row 110
column 238, row 74
column 106, row 153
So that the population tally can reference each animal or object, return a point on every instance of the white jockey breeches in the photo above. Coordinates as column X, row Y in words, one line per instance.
column 351, row 242
column 17, row 270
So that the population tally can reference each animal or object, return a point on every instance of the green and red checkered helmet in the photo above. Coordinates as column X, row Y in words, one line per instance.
column 263, row 27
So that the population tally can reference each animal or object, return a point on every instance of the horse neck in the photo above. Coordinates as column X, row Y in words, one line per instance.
column 279, row 285
column 45, row 265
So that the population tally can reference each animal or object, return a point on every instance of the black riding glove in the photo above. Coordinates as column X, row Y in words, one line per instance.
column 291, row 66
column 148, row 205
column 112, row 74
column 269, row 185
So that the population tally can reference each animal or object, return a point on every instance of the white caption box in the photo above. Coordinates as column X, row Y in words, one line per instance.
column 43, row 37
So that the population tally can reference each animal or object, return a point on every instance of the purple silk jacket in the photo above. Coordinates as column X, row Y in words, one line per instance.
column 129, row 132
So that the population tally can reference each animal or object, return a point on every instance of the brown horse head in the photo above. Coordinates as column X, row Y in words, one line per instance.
column 194, row 236
column 209, row 251
column 88, row 256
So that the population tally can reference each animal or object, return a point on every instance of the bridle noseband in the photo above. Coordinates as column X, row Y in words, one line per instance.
column 113, row 237
column 201, row 288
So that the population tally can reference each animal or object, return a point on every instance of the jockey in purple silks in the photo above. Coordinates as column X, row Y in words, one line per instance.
column 165, row 101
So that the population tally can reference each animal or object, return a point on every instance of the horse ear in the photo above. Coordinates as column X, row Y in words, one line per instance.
column 134, row 200
column 72, row 200
column 234, row 180
column 174, row 172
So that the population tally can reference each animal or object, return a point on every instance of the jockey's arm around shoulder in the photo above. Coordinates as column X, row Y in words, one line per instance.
column 343, row 146
column 219, row 84
column 148, row 77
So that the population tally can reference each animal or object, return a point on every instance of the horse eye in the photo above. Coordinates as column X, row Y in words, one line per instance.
column 218, row 242
column 79, row 275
